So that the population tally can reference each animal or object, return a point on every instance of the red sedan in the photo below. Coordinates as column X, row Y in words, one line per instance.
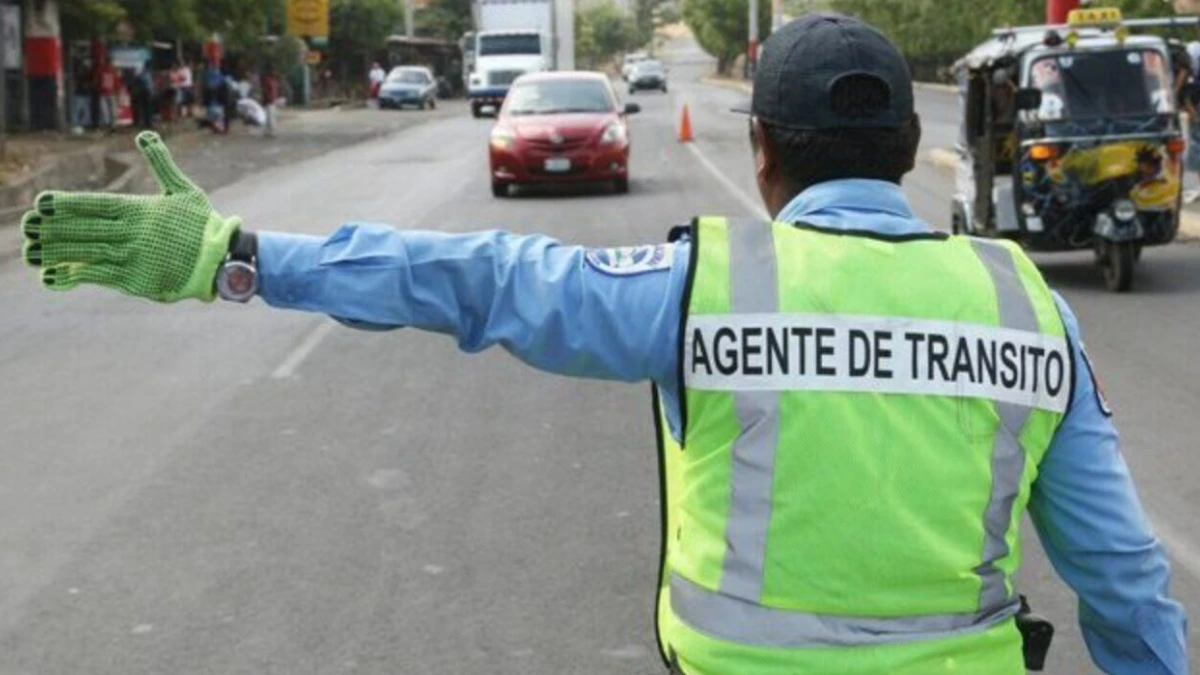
column 560, row 127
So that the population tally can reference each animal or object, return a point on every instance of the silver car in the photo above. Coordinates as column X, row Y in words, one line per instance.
column 408, row 85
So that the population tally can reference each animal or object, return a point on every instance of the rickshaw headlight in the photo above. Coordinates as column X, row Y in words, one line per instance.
column 1125, row 210
column 1042, row 153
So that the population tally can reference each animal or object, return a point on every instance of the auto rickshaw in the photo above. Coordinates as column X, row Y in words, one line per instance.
column 1071, row 140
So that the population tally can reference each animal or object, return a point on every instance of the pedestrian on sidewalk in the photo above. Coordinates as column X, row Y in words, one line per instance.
column 81, row 113
column 142, row 91
column 1189, row 102
column 184, row 86
column 108, row 84
column 215, row 92
column 271, row 89
column 376, row 77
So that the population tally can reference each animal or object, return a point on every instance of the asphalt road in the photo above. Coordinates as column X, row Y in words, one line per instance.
column 221, row 489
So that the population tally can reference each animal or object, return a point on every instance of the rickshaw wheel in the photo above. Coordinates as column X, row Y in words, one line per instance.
column 1117, row 264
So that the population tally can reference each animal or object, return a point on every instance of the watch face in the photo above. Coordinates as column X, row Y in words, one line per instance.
column 237, row 281
column 240, row 280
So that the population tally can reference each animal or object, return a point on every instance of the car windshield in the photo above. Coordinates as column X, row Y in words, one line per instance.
column 649, row 68
column 559, row 96
column 510, row 44
column 1103, row 84
column 408, row 77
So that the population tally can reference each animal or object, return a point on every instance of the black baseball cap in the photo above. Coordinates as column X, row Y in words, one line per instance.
column 802, row 62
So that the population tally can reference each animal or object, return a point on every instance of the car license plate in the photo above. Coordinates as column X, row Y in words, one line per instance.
column 558, row 164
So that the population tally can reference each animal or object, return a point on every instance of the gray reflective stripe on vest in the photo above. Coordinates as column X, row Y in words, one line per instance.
column 1008, row 457
column 748, row 623
column 734, row 612
column 754, row 288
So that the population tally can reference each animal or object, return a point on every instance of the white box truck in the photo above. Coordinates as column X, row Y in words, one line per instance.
column 514, row 37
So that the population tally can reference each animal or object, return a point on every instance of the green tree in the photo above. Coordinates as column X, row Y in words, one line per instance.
column 602, row 31
column 445, row 19
column 722, row 27
column 87, row 18
column 358, row 34
column 933, row 33
column 160, row 18
column 241, row 24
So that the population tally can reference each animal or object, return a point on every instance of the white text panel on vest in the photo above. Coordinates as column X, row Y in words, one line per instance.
column 887, row 355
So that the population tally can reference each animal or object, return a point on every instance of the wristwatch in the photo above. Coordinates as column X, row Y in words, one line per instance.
column 237, row 278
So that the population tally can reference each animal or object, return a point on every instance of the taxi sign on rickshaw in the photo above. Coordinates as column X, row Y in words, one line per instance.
column 1094, row 16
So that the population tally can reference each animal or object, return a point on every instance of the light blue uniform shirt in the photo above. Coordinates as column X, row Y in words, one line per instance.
column 615, row 315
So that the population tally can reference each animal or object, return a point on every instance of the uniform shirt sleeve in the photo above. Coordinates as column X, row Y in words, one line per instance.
column 1095, row 533
column 544, row 302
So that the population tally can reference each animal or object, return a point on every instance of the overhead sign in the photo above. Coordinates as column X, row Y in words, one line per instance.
column 308, row 18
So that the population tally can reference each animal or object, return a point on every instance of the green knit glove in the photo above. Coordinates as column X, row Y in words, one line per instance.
column 162, row 247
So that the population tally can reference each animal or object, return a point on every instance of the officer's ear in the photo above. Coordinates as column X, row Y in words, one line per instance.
column 765, row 164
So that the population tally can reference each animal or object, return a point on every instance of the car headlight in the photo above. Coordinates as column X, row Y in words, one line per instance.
column 1125, row 210
column 502, row 139
column 614, row 133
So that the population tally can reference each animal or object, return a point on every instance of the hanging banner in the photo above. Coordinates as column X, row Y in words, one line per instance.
column 308, row 18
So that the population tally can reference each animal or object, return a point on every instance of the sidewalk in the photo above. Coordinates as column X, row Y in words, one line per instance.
column 212, row 161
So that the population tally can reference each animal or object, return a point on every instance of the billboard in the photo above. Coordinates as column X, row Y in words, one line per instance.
column 308, row 18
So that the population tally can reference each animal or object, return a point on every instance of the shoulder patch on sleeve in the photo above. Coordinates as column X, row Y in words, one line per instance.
column 1097, row 386
column 630, row 260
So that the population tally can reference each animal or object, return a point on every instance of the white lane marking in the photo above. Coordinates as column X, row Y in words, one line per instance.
column 293, row 361
column 753, row 205
column 1179, row 548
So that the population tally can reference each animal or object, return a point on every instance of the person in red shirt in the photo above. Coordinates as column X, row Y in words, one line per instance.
column 107, row 84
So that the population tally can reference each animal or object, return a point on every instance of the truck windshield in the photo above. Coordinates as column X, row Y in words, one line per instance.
column 510, row 44
column 1095, row 85
column 551, row 97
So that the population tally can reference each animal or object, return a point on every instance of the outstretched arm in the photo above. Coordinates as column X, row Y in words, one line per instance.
column 610, row 314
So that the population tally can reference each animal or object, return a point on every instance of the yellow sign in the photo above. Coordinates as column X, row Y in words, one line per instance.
column 1097, row 16
column 313, row 57
column 308, row 18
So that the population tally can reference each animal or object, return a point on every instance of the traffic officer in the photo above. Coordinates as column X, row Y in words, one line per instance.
column 855, row 410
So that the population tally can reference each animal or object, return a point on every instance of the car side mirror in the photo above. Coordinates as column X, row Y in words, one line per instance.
column 1029, row 99
column 631, row 108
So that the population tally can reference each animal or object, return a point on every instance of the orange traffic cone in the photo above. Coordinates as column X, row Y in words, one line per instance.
column 685, row 127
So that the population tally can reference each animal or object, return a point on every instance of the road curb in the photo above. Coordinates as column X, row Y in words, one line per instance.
column 10, row 218
column 1189, row 221
column 936, row 86
column 727, row 83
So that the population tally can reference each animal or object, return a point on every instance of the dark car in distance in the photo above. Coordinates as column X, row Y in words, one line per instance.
column 648, row 75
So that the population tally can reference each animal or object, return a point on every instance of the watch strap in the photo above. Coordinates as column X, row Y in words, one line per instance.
column 243, row 246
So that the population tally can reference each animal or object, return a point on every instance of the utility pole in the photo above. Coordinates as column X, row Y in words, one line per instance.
column 776, row 15
column 4, row 85
column 408, row 18
column 752, row 50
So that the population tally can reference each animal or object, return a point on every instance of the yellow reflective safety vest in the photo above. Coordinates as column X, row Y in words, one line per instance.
column 862, row 418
